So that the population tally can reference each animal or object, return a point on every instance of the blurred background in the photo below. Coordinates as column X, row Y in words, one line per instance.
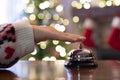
column 64, row 16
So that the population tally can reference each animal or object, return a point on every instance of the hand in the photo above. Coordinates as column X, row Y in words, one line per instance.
column 49, row 33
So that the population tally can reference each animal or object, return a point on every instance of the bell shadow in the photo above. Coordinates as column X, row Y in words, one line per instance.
column 80, row 73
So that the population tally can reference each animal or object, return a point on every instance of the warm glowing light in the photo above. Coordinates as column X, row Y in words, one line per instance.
column 48, row 16
column 45, row 59
column 116, row 2
column 66, row 22
column 75, row 19
column 61, row 50
column 56, row 17
column 102, row 4
column 62, row 53
column 88, row 1
column 55, row 42
column 30, row 8
column 52, row 58
column 67, row 42
column 43, row 45
column 31, row 59
column 74, row 3
column 60, row 27
column 59, row 8
column 109, row 3
column 52, row 25
column 86, row 5
column 82, row 1
column 61, row 20
column 51, row 4
column 26, row 1
column 34, row 52
column 32, row 17
column 40, row 15
column 44, row 5
column 47, row 4
column 58, row 48
column 79, row 6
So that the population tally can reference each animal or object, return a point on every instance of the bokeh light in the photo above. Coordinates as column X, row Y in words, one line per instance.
column 79, row 6
column 34, row 52
column 59, row 8
column 31, row 59
column 109, row 3
column 29, row 8
column 74, row 3
column 32, row 17
column 116, row 2
column 44, row 5
column 40, row 15
column 43, row 44
column 52, row 58
column 82, row 1
column 60, row 27
column 56, row 17
column 62, row 53
column 67, row 42
column 55, row 42
column 66, row 22
column 101, row 4
column 86, row 5
column 75, row 19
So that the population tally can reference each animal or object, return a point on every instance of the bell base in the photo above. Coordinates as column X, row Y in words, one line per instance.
column 80, row 64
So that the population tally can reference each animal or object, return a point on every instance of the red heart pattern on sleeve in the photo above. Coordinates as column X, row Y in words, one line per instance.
column 7, row 35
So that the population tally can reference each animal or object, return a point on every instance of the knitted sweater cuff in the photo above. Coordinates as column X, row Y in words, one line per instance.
column 24, row 37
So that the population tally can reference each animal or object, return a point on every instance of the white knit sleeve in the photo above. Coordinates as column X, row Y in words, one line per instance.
column 24, row 37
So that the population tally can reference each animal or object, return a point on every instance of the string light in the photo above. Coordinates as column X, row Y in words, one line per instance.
column 55, row 42
column 86, row 5
column 45, row 59
column 67, row 42
column 34, row 52
column 48, row 16
column 44, row 5
column 109, row 3
column 116, row 2
column 62, row 53
column 79, row 6
column 74, row 3
column 60, row 27
column 29, row 8
column 40, row 15
column 31, row 59
column 101, row 4
column 82, row 1
column 58, row 48
column 32, row 17
column 59, row 8
column 52, row 58
column 75, row 19
column 43, row 44
column 56, row 17
column 66, row 22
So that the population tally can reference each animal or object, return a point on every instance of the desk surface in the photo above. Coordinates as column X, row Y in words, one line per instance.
column 43, row 70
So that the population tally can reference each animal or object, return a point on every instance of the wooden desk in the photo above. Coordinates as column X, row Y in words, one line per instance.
column 41, row 70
